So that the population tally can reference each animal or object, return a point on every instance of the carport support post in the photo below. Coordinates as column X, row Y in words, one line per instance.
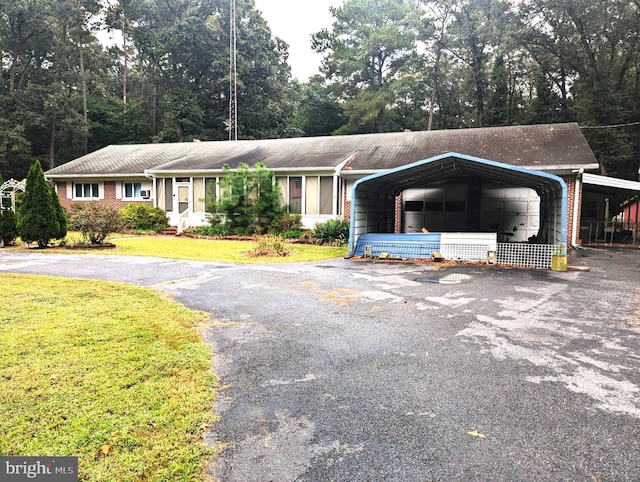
column 563, row 217
column 352, row 223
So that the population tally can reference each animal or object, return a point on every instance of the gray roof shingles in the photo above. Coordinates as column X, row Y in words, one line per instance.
column 538, row 146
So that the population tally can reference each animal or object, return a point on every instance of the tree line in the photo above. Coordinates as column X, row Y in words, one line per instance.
column 388, row 65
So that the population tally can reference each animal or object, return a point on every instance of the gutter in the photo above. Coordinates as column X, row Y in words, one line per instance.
column 125, row 175
column 218, row 172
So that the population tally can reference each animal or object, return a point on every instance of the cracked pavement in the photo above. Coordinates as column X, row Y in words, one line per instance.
column 347, row 370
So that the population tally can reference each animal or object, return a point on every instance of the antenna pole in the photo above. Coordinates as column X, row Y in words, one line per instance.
column 233, row 74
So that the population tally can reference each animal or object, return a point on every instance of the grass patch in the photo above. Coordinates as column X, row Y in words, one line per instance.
column 215, row 250
column 112, row 373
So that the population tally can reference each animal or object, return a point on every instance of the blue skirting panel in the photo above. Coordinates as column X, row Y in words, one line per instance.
column 405, row 245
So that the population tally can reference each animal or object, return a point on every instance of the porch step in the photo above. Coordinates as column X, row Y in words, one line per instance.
column 170, row 231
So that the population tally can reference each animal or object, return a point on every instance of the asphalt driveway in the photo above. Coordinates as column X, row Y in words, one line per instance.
column 364, row 371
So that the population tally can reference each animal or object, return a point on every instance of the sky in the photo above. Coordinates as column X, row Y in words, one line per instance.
column 294, row 21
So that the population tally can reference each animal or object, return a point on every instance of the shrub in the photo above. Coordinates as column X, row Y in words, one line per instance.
column 95, row 221
column 37, row 215
column 216, row 230
column 144, row 217
column 270, row 245
column 286, row 223
column 292, row 234
column 249, row 200
column 306, row 237
column 334, row 232
column 8, row 227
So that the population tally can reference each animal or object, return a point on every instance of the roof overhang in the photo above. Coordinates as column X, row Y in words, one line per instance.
column 604, row 181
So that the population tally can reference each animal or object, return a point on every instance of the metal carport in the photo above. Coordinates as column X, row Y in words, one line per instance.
column 373, row 206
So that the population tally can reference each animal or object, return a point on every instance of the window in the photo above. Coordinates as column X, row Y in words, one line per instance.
column 168, row 194
column 433, row 206
column 326, row 195
column 311, row 195
column 198, row 195
column 413, row 205
column 295, row 195
column 284, row 191
column 132, row 189
column 86, row 191
column 210, row 192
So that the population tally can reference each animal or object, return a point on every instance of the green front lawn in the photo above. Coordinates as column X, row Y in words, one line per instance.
column 215, row 250
column 112, row 373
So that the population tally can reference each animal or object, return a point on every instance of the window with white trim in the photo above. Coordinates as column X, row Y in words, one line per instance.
column 295, row 195
column 132, row 190
column 309, row 195
column 86, row 190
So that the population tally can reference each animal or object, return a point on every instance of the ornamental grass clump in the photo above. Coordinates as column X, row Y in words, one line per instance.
column 334, row 232
column 270, row 245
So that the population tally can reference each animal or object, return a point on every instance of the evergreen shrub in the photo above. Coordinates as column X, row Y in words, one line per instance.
column 95, row 221
column 144, row 217
column 8, row 227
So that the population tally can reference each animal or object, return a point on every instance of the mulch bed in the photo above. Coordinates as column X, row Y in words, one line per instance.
column 90, row 246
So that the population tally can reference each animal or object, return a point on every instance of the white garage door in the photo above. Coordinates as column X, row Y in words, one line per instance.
column 513, row 212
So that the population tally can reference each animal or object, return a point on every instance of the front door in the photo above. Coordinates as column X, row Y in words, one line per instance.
column 182, row 197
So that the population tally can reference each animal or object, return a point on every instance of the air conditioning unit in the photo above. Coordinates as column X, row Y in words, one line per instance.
column 146, row 194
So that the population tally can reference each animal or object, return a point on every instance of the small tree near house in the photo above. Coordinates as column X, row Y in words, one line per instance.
column 38, row 215
column 8, row 228
column 95, row 222
column 249, row 200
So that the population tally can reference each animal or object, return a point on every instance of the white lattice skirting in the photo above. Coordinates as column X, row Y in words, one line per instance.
column 525, row 255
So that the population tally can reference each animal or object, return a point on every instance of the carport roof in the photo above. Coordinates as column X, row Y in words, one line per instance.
column 453, row 165
column 544, row 147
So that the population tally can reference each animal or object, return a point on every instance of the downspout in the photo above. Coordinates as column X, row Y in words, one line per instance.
column 576, row 198
column 154, row 187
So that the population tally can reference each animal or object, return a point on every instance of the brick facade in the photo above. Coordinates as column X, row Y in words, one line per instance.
column 109, row 197
column 346, row 215
column 398, row 215
column 61, row 189
column 571, row 183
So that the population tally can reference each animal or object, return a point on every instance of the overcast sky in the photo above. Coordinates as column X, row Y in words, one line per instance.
column 294, row 21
